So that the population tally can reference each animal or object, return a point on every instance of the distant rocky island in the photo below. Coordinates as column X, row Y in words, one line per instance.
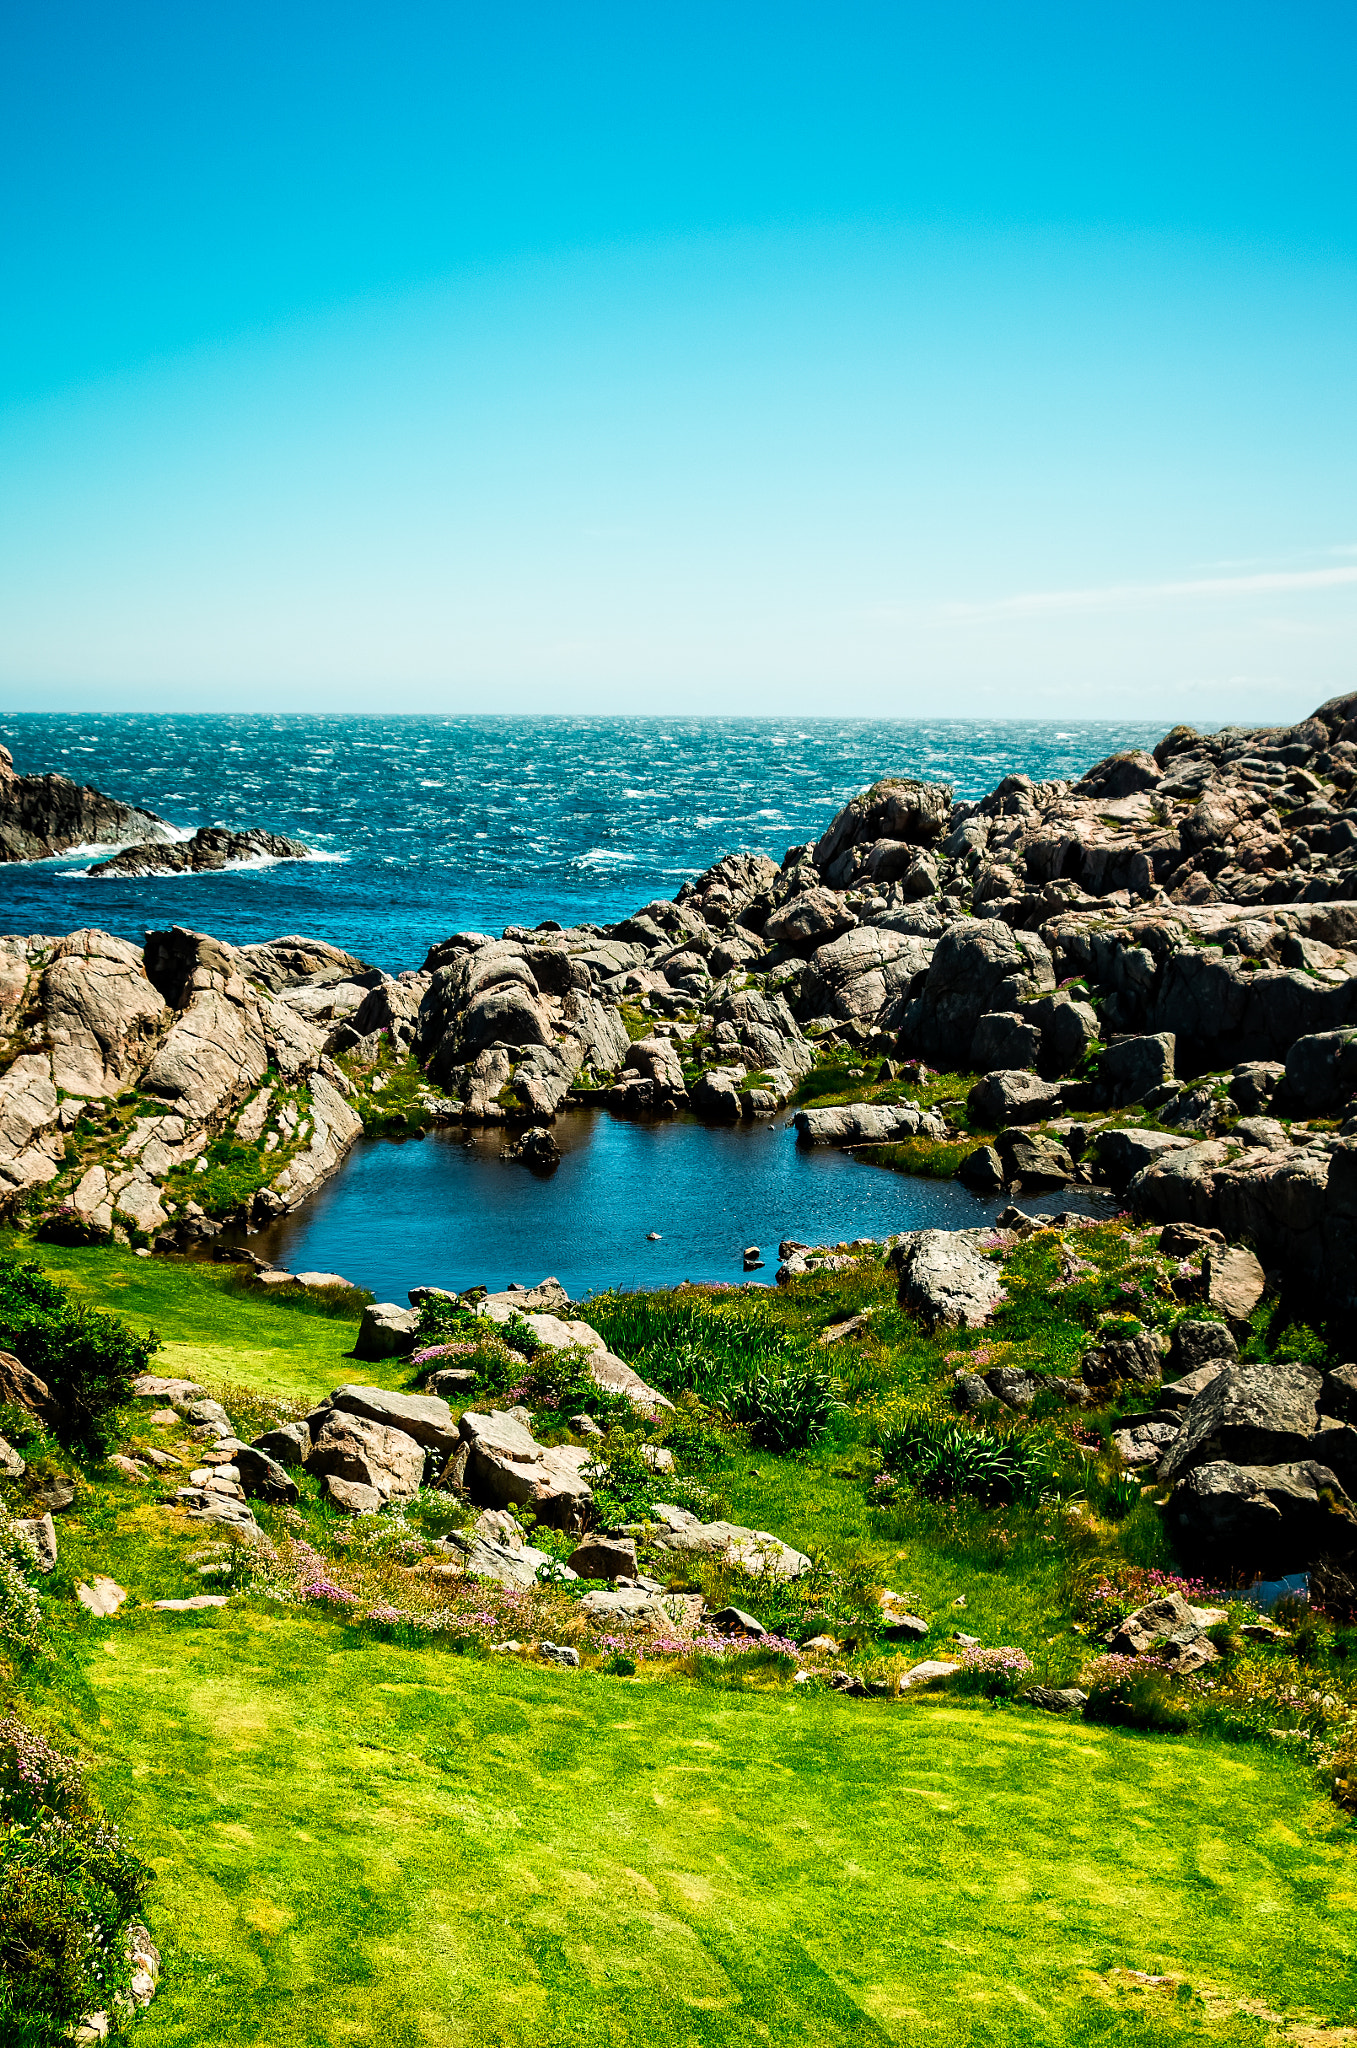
column 43, row 816
column 211, row 849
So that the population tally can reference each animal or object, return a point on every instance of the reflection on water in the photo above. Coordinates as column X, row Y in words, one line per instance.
column 447, row 1211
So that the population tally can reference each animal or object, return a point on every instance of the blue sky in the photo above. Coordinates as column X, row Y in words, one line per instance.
column 755, row 359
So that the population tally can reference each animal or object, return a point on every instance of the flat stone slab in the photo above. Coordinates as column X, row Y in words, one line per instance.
column 931, row 1672
column 150, row 1386
column 194, row 1603
column 103, row 1598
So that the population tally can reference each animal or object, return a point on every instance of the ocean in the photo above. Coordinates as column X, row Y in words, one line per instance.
column 434, row 825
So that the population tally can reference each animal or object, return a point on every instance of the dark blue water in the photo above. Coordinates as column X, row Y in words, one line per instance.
column 443, row 1212
column 433, row 825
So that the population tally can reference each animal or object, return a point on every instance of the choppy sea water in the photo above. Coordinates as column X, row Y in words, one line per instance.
column 435, row 825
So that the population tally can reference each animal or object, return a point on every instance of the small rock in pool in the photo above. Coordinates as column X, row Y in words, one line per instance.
column 652, row 1237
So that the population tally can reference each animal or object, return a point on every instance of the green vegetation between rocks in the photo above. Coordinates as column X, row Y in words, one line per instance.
column 368, row 1822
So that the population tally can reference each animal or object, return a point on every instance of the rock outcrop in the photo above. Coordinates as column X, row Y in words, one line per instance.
column 211, row 848
column 122, row 1068
column 45, row 815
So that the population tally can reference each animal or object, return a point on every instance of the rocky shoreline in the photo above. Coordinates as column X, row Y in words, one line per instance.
column 1153, row 971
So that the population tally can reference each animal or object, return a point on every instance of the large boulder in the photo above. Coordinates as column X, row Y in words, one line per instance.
column 1321, row 1074
column 506, row 1467
column 1013, row 1096
column 897, row 808
column 1234, row 1281
column 1170, row 1628
column 1034, row 1159
column 1005, row 1039
column 1131, row 1068
column 481, row 1554
column 978, row 965
column 507, row 1013
column 30, row 1144
column 751, row 1550
column 867, row 1123
column 101, row 1014
column 425, row 1417
column 1122, row 1153
column 367, row 1454
column 945, row 1278
column 263, row 1477
column 1261, row 1412
column 715, row 1096
column 1268, row 1519
column 809, row 920
column 1195, row 1344
column 1137, row 1360
column 864, row 974
column 386, row 1331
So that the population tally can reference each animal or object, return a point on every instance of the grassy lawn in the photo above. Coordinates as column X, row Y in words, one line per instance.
column 363, row 1839
column 360, row 1844
column 211, row 1329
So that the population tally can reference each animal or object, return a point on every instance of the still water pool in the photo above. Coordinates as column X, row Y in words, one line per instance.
column 447, row 1211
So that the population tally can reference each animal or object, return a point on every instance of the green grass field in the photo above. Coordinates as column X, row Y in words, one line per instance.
column 357, row 1842
column 362, row 1844
column 210, row 1329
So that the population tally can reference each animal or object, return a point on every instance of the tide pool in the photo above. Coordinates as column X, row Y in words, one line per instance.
column 448, row 1211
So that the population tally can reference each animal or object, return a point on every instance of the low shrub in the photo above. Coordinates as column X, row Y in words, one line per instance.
column 1135, row 1692
column 995, row 1674
column 783, row 1412
column 69, row 1889
column 944, row 1460
column 562, row 1383
column 1102, row 1593
column 697, row 1438
column 88, row 1361
column 625, row 1487
column 20, row 1612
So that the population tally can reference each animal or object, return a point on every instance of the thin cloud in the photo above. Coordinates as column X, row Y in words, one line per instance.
column 1261, row 582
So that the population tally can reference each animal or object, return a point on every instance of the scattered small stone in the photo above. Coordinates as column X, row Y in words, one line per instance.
column 12, row 1465
column 848, row 1684
column 931, row 1672
column 1065, row 1699
column 585, row 1425
column 55, row 1497
column 41, row 1532
column 825, row 1645
column 559, row 1653
column 163, row 1460
column 103, row 1598
column 194, row 1603
column 652, row 1237
column 733, row 1621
